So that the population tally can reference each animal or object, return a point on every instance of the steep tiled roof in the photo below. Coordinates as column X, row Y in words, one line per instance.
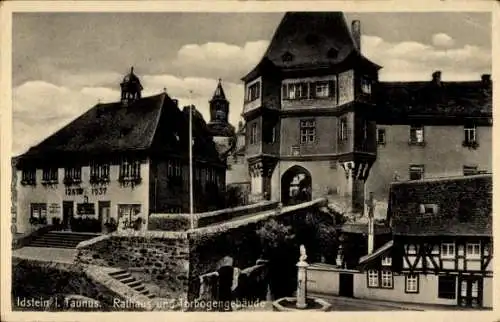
column 115, row 127
column 399, row 101
column 310, row 39
column 463, row 206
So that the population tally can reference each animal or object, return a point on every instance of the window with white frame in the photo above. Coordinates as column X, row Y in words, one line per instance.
column 50, row 175
column 372, row 278
column 448, row 250
column 307, row 131
column 72, row 175
column 469, row 133
column 416, row 172
column 411, row 283
column 130, row 170
column 416, row 134
column 380, row 136
column 473, row 250
column 386, row 279
column 28, row 177
column 253, row 92
column 411, row 249
column 343, row 129
column 322, row 89
column 366, row 85
column 386, row 261
column 253, row 133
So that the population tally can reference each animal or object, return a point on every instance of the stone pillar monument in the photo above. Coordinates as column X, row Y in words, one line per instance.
column 302, row 279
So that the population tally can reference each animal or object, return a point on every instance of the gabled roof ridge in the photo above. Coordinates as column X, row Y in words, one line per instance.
column 158, row 118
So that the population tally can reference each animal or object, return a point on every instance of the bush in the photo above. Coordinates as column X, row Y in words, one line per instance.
column 274, row 235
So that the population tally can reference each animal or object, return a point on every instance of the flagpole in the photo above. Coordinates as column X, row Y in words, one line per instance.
column 191, row 212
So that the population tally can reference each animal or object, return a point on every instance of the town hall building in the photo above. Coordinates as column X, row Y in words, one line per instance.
column 118, row 161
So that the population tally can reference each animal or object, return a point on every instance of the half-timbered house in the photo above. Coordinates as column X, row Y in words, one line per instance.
column 441, row 252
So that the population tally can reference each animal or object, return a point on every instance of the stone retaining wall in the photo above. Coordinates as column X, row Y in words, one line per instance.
column 161, row 257
column 48, row 280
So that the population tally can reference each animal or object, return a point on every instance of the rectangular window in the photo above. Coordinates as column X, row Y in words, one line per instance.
column 416, row 134
column 473, row 250
column 39, row 211
column 128, row 213
column 386, row 261
column 448, row 250
column 99, row 172
column 366, row 85
column 469, row 170
column 386, row 279
column 307, row 131
column 428, row 209
column 411, row 283
column 28, row 177
column 372, row 278
column 470, row 133
column 447, row 287
column 50, row 175
column 72, row 175
column 380, row 136
column 87, row 209
column 411, row 249
column 322, row 89
column 253, row 92
column 296, row 91
column 343, row 129
column 130, row 170
column 253, row 133
column 416, row 172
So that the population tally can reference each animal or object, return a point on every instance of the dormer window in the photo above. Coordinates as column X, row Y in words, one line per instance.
column 332, row 53
column 312, row 39
column 287, row 57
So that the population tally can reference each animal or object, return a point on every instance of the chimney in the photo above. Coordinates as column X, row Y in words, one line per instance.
column 486, row 79
column 176, row 102
column 356, row 33
column 436, row 77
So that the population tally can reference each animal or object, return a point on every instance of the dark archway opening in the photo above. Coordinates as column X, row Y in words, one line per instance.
column 296, row 186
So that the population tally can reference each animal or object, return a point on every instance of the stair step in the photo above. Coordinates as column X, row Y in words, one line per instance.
column 135, row 283
column 151, row 296
column 144, row 291
column 119, row 272
column 140, row 288
column 127, row 280
column 121, row 276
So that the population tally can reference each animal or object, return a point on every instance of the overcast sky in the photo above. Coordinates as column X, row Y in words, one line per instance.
column 64, row 63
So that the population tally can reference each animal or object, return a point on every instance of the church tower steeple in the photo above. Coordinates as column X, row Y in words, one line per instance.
column 219, row 105
column 131, row 88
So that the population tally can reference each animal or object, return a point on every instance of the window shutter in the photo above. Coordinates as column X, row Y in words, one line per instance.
column 313, row 89
column 331, row 88
column 283, row 91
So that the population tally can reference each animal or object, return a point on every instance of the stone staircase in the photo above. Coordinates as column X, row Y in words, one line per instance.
column 127, row 279
column 57, row 239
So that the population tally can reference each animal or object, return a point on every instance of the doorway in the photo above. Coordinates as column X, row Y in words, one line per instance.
column 346, row 284
column 470, row 291
column 104, row 213
column 296, row 186
column 68, row 213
